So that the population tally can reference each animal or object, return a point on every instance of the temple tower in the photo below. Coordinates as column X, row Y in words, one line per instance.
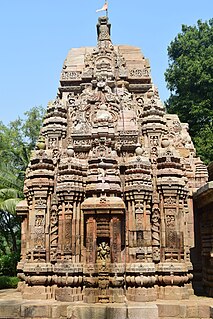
column 108, row 214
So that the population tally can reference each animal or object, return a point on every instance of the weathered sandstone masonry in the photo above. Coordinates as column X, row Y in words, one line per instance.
column 203, row 200
column 108, row 214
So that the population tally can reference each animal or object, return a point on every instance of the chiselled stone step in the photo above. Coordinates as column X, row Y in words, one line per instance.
column 12, row 306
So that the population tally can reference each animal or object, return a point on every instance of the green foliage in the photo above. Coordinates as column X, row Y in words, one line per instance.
column 19, row 138
column 190, row 79
column 8, row 282
column 8, row 264
column 16, row 143
column 204, row 143
column 31, row 127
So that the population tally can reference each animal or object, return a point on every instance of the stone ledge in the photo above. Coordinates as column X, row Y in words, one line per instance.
column 13, row 307
column 205, row 193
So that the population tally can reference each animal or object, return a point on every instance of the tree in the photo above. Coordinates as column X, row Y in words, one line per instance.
column 190, row 80
column 16, row 143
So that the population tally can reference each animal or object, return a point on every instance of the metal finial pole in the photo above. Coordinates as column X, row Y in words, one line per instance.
column 106, row 3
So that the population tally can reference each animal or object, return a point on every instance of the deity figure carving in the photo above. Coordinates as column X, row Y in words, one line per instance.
column 103, row 253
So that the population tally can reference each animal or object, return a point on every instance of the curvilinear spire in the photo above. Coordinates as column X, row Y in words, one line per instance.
column 108, row 210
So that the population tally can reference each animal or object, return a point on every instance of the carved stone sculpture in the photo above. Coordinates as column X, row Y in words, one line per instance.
column 108, row 211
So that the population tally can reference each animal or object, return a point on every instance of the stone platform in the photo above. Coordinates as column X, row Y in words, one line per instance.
column 12, row 306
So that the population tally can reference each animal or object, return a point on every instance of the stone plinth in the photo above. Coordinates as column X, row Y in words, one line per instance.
column 13, row 307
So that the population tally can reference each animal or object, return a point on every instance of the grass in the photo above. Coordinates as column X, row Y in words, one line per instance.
column 7, row 282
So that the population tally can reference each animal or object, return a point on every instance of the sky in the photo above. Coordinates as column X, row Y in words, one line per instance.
column 36, row 35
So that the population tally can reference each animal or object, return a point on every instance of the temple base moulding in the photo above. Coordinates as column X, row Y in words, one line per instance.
column 12, row 306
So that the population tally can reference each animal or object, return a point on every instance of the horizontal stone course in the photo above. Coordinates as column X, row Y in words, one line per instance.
column 36, row 311
column 16, row 308
column 10, row 310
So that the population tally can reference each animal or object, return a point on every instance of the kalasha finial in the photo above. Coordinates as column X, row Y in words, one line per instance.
column 103, row 29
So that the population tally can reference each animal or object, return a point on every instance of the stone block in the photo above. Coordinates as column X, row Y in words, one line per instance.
column 204, row 311
column 211, row 312
column 171, row 311
column 173, row 318
column 147, row 311
column 145, row 295
column 142, row 294
column 165, row 310
column 183, row 311
column 59, row 311
column 9, row 310
column 192, row 311
column 36, row 293
column 86, row 311
column 173, row 293
column 35, row 296
column 36, row 311
column 116, row 312
column 67, row 294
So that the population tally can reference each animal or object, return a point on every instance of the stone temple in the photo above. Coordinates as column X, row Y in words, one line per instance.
column 108, row 215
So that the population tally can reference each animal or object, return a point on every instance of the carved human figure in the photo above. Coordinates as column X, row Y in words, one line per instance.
column 170, row 221
column 39, row 221
column 103, row 253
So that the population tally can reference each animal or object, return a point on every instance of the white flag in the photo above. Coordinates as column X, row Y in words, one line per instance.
column 105, row 7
